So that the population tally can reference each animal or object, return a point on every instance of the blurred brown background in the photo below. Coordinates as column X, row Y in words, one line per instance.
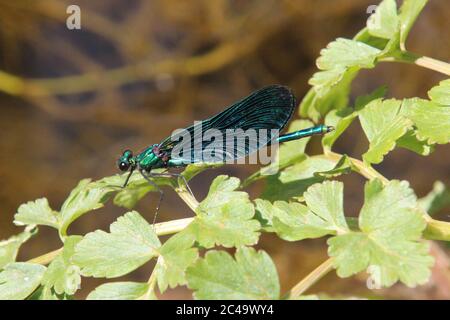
column 139, row 69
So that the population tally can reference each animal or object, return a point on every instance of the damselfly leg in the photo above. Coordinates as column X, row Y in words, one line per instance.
column 161, row 193
column 172, row 175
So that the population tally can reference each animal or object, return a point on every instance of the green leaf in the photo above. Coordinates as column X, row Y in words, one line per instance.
column 431, row 120
column 46, row 293
column 294, row 180
column 341, row 60
column 194, row 169
column 264, row 214
column 19, row 279
column 385, row 141
column 409, row 11
column 377, row 115
column 294, row 221
column 323, row 81
column 36, row 212
column 128, row 197
column 9, row 248
column 347, row 53
column 340, row 120
column 436, row 199
column 225, row 216
column 326, row 201
column 136, row 188
column 362, row 101
column 316, row 105
column 343, row 166
column 364, row 36
column 119, row 291
column 131, row 243
column 383, row 126
column 323, row 214
column 176, row 255
column 293, row 151
column 388, row 244
column 308, row 104
column 411, row 142
column 441, row 94
column 84, row 198
column 218, row 276
column 62, row 275
column 384, row 23
column 287, row 153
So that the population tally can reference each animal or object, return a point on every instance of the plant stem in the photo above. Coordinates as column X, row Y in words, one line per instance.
column 188, row 198
column 46, row 258
column 422, row 61
column 434, row 65
column 310, row 279
column 365, row 170
column 437, row 230
column 151, row 284
column 173, row 226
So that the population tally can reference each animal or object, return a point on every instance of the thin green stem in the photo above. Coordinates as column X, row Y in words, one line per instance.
column 151, row 284
column 187, row 197
column 363, row 169
column 437, row 230
column 46, row 258
column 171, row 227
column 310, row 279
column 422, row 61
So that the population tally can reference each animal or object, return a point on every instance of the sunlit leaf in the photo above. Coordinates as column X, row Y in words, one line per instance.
column 441, row 93
column 411, row 142
column 323, row 81
column 119, row 291
column 36, row 212
column 19, row 279
column 176, row 255
column 388, row 245
column 294, row 221
column 347, row 53
column 409, row 11
column 225, row 216
column 340, row 120
column 47, row 293
column 62, row 275
column 84, row 198
column 343, row 166
column 288, row 153
column 130, row 244
column 384, row 23
column 383, row 125
column 294, row 180
column 10, row 247
column 431, row 120
column 251, row 275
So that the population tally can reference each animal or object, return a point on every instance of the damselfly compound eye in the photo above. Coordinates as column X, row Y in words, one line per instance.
column 123, row 166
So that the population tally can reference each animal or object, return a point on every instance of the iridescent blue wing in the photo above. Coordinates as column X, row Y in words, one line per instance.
column 264, row 112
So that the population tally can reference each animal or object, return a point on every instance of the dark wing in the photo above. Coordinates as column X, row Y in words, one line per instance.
column 268, row 108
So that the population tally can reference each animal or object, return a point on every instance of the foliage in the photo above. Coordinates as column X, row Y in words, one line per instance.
column 301, row 201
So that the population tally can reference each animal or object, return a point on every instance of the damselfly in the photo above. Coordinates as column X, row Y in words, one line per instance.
column 266, row 111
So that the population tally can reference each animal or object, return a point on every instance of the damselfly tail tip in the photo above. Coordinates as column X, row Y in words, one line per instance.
column 330, row 128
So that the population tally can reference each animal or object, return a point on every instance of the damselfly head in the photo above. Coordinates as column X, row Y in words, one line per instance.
column 126, row 160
